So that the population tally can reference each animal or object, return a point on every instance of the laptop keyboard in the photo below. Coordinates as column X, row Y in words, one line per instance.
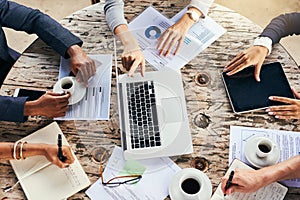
column 143, row 121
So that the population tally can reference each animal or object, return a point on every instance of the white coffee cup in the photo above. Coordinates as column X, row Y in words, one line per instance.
column 190, row 184
column 67, row 85
column 264, row 147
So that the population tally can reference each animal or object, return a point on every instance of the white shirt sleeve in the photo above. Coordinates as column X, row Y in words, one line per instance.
column 264, row 41
column 202, row 5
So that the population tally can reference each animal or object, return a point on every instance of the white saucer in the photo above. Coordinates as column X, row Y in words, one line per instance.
column 79, row 91
column 253, row 159
column 176, row 192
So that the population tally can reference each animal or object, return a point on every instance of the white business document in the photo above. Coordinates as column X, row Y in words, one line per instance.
column 152, row 186
column 150, row 24
column 96, row 102
column 288, row 142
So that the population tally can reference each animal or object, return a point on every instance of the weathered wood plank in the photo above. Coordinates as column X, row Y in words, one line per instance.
column 208, row 107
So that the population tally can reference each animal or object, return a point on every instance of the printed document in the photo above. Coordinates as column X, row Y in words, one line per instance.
column 274, row 191
column 96, row 102
column 288, row 141
column 41, row 179
column 156, row 176
column 150, row 24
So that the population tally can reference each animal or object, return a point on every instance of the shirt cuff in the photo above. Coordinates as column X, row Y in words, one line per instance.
column 202, row 5
column 264, row 41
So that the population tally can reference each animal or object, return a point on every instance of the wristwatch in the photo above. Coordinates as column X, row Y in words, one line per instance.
column 193, row 15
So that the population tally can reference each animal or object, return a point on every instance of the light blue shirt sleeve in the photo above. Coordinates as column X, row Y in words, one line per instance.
column 114, row 13
column 202, row 5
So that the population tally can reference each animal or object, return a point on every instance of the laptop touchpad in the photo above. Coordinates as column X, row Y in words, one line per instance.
column 172, row 109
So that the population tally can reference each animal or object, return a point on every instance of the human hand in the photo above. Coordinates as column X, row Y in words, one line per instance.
column 132, row 56
column 51, row 151
column 244, row 181
column 81, row 65
column 174, row 36
column 289, row 111
column 131, row 59
column 254, row 55
column 50, row 105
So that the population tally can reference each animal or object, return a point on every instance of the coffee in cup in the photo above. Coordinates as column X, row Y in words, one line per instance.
column 190, row 186
column 67, row 85
column 264, row 147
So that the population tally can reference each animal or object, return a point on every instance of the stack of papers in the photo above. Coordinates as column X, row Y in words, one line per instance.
column 150, row 24
column 288, row 142
column 96, row 102
column 156, row 176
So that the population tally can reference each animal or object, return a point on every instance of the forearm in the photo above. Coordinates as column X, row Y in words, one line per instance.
column 28, row 150
column 287, row 169
column 30, row 108
column 126, row 37
column 74, row 50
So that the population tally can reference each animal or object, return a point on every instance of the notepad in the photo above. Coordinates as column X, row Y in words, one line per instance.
column 41, row 179
column 274, row 191
column 246, row 94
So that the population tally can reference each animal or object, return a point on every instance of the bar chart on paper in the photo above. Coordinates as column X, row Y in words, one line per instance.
column 96, row 101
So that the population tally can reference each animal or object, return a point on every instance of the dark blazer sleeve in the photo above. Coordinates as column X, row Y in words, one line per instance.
column 282, row 26
column 12, row 109
column 22, row 18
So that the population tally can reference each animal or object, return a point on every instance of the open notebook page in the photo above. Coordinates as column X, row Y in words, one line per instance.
column 274, row 191
column 42, row 180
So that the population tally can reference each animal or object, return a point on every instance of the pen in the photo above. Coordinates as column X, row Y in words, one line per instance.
column 60, row 155
column 229, row 182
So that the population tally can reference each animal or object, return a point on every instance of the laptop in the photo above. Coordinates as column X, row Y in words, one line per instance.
column 246, row 94
column 153, row 115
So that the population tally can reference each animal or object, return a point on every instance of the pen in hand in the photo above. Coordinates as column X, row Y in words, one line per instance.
column 229, row 182
column 60, row 155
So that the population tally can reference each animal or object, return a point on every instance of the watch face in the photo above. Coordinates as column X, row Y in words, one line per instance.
column 193, row 15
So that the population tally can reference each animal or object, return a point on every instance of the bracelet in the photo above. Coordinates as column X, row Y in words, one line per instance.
column 21, row 150
column 15, row 149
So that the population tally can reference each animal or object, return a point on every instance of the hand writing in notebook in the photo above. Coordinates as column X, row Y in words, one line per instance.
column 51, row 152
column 246, row 180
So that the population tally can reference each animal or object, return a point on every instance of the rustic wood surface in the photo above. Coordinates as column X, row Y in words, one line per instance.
column 208, row 107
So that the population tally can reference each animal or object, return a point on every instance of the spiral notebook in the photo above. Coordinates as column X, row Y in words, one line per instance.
column 274, row 191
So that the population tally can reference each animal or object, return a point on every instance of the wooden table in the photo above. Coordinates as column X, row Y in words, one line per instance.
column 208, row 107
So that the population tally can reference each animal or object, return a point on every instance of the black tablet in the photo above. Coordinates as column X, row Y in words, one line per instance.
column 246, row 94
column 31, row 94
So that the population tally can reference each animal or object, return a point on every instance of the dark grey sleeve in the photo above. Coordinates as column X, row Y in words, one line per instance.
column 282, row 26
column 22, row 18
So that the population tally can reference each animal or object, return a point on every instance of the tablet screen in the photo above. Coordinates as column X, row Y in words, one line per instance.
column 246, row 94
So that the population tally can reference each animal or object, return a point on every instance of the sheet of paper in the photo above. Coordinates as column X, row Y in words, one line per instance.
column 42, row 180
column 150, row 24
column 96, row 102
column 153, row 185
column 274, row 191
column 288, row 141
